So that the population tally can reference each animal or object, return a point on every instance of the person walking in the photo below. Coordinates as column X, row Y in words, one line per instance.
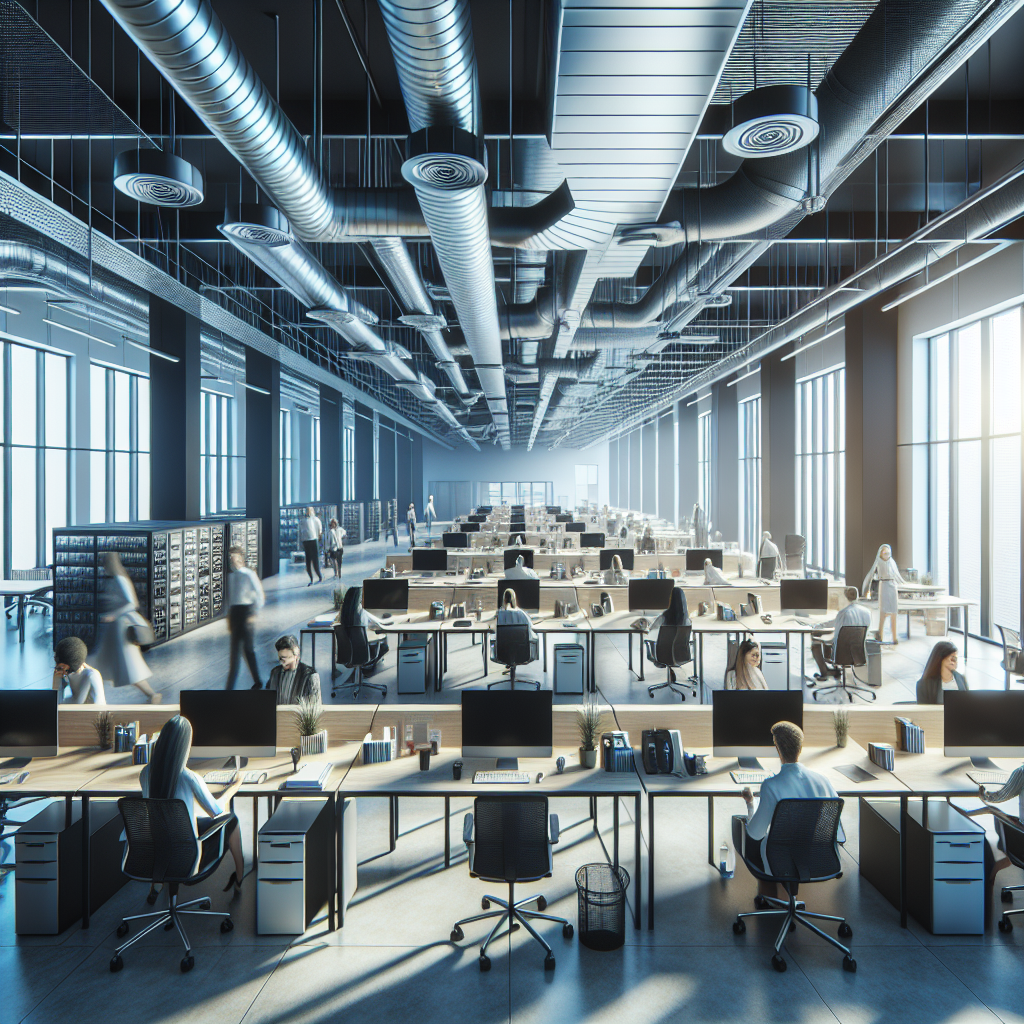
column 336, row 545
column 391, row 530
column 429, row 514
column 245, row 599
column 310, row 531
column 410, row 521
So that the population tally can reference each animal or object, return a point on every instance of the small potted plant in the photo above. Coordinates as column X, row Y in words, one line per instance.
column 588, row 721
column 308, row 715
column 104, row 726
column 841, row 724
column 339, row 598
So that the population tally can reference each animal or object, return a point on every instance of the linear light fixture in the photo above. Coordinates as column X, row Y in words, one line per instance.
column 749, row 373
column 152, row 351
column 252, row 387
column 699, row 398
column 75, row 330
column 8, row 309
column 811, row 344
column 914, row 292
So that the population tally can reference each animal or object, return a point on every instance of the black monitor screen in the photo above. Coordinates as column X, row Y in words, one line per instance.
column 560, row 518
column 521, row 534
column 28, row 723
column 650, row 595
column 527, row 593
column 577, row 528
column 511, row 554
column 521, row 509
column 695, row 558
column 553, row 510
column 455, row 540
column 625, row 556
column 742, row 720
column 429, row 559
column 469, row 527
column 984, row 723
column 226, row 722
column 477, row 518
column 389, row 595
column 591, row 540
column 506, row 723
column 484, row 509
column 804, row 595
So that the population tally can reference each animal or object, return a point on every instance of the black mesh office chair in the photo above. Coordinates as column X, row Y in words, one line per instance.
column 509, row 839
column 670, row 649
column 802, row 846
column 850, row 653
column 355, row 650
column 1011, row 650
column 794, row 552
column 162, row 847
column 514, row 646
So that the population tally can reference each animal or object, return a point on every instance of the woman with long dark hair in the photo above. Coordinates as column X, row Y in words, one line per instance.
column 939, row 674
column 746, row 675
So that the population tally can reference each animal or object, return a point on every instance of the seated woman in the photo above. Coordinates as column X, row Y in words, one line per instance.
column 354, row 614
column 615, row 575
column 647, row 545
column 940, row 674
column 166, row 777
column 510, row 614
column 746, row 675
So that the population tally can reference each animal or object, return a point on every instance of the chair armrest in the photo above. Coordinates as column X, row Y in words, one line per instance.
column 534, row 650
column 218, row 823
column 553, row 828
column 467, row 830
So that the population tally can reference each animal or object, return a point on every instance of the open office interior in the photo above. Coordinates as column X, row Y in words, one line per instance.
column 497, row 499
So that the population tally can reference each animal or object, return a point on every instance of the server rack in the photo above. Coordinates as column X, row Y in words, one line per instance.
column 291, row 515
column 352, row 522
column 373, row 522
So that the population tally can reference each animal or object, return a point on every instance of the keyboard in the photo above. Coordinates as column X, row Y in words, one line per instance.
column 221, row 778
column 988, row 778
column 749, row 778
column 507, row 778
column 10, row 778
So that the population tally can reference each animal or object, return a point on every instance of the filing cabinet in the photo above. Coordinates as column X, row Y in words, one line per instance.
column 416, row 666
column 570, row 668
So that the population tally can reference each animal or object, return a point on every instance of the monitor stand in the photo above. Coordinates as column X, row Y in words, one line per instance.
column 14, row 762
column 984, row 762
column 236, row 762
column 507, row 764
column 750, row 764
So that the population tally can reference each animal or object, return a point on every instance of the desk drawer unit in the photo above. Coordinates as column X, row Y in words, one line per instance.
column 570, row 668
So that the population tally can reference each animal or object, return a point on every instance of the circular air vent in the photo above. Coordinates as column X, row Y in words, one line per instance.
column 446, row 158
column 256, row 225
column 771, row 121
column 158, row 179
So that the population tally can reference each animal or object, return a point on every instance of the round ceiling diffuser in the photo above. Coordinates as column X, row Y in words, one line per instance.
column 444, row 157
column 160, row 179
column 256, row 224
column 771, row 121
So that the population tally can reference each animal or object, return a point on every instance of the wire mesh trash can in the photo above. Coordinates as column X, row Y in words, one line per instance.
column 601, row 890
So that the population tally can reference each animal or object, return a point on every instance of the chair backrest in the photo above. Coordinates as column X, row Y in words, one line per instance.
column 795, row 549
column 353, row 645
column 1010, row 637
column 802, row 840
column 162, row 845
column 850, row 648
column 672, row 645
column 512, row 644
column 1012, row 837
column 511, row 836
column 766, row 567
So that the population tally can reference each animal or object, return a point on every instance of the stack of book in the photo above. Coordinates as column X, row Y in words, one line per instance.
column 143, row 747
column 909, row 737
column 310, row 776
column 386, row 749
column 883, row 754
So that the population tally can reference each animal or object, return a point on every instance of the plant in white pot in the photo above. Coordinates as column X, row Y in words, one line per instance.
column 588, row 720
column 308, row 714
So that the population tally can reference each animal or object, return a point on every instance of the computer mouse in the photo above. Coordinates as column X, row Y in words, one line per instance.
column 540, row 775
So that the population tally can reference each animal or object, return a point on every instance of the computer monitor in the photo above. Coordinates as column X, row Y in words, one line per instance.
column 650, row 595
column 455, row 540
column 980, row 724
column 742, row 720
column 478, row 518
column 469, row 527
column 231, row 723
column 511, row 554
column 506, row 724
column 28, row 725
column 521, row 534
column 429, row 559
column 803, row 596
column 695, row 558
column 562, row 518
column 386, row 595
column 553, row 510
column 625, row 556
column 484, row 510
column 577, row 528
column 591, row 540
column 521, row 509
column 527, row 593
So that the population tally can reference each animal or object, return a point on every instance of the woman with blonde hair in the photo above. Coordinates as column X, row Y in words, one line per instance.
column 887, row 572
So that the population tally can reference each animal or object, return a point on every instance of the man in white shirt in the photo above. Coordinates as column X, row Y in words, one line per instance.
column 793, row 781
column 519, row 571
column 851, row 614
column 310, row 530
column 245, row 599
column 71, row 670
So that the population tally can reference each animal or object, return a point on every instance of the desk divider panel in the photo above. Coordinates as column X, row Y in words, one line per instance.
column 485, row 592
column 421, row 598
column 400, row 563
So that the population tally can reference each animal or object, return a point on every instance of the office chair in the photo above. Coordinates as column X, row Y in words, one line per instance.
column 513, row 646
column 767, row 567
column 1011, row 650
column 850, row 653
column 668, row 650
column 355, row 650
column 802, row 846
column 162, row 847
column 42, row 573
column 1011, row 842
column 794, row 552
column 512, row 843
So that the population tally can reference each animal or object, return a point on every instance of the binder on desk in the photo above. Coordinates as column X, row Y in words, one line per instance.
column 310, row 776
column 909, row 736
column 883, row 754
column 386, row 749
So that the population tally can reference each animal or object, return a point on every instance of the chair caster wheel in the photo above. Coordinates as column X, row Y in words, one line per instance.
column 650, row 693
column 206, row 904
column 116, row 963
column 227, row 925
column 549, row 963
column 1005, row 925
column 187, row 963
column 122, row 929
column 151, row 897
column 457, row 934
column 384, row 693
column 779, row 963
column 485, row 963
column 1006, row 896
column 542, row 904
column 567, row 931
column 168, row 926
column 849, row 964
column 485, row 904
column 739, row 926
column 761, row 903
column 845, row 931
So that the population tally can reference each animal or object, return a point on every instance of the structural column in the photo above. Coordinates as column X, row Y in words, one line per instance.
column 725, row 470
column 686, row 418
column 649, row 469
column 778, row 446
column 263, row 451
column 330, row 445
column 667, row 466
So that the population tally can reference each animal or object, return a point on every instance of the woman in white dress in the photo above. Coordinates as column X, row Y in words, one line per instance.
column 889, row 579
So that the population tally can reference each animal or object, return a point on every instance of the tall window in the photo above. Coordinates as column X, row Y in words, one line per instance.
column 750, row 473
column 286, row 457
column 34, row 438
column 348, row 453
column 967, row 465
column 704, row 460
column 821, row 468
column 221, row 468
column 586, row 485
column 119, row 445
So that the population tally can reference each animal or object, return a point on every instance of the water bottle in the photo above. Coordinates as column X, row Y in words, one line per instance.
column 725, row 861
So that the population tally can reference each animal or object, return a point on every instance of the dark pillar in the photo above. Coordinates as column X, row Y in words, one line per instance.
column 667, row 467
column 778, row 446
column 386, row 453
column 613, row 472
column 330, row 445
column 649, row 469
column 364, row 453
column 635, row 471
column 174, row 413
column 870, row 436
column 725, row 470
column 263, row 452
column 624, row 471
column 687, row 420
column 419, row 495
column 403, row 472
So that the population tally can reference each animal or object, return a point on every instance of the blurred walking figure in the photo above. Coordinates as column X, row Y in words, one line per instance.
column 245, row 599
column 310, row 531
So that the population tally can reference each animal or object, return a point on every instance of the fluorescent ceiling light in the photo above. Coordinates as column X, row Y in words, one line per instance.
column 811, row 344
column 699, row 398
column 914, row 292
column 8, row 309
column 252, row 387
column 152, row 351
column 75, row 330
column 749, row 373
